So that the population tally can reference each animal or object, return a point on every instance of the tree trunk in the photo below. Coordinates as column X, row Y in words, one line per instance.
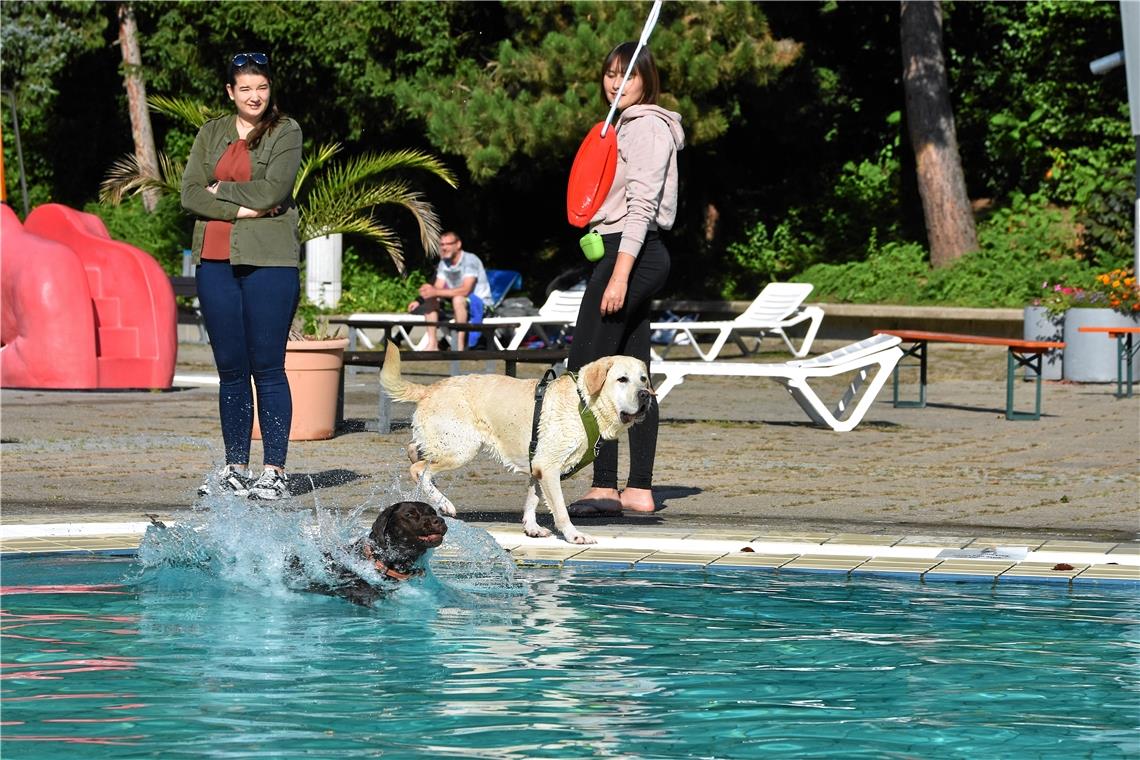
column 945, row 205
column 136, row 98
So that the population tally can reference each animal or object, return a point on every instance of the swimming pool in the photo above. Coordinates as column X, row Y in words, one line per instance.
column 104, row 660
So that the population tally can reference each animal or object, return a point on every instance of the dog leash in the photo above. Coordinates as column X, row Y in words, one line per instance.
column 589, row 422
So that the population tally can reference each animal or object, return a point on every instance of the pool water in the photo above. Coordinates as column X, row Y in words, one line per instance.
column 105, row 658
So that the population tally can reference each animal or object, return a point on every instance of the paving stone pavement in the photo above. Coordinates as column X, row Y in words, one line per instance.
column 732, row 452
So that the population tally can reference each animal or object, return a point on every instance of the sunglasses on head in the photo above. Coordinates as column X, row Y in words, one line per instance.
column 241, row 59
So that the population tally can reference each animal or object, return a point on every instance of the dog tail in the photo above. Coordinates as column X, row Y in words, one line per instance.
column 397, row 387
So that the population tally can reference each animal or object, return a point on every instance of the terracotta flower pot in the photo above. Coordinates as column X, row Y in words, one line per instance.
column 313, row 369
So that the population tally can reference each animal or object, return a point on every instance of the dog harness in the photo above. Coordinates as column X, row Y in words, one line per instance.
column 589, row 422
column 388, row 572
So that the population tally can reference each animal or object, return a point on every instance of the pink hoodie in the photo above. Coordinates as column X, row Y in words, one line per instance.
column 644, row 194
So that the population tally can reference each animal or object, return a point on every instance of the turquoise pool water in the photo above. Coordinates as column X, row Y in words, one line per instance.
column 104, row 660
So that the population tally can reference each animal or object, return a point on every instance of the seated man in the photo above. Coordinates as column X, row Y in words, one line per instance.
column 459, row 277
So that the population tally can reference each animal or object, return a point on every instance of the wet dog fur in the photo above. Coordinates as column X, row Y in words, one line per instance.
column 457, row 417
column 400, row 536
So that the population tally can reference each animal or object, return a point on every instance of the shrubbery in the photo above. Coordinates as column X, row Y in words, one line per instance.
column 163, row 234
column 1021, row 246
column 364, row 288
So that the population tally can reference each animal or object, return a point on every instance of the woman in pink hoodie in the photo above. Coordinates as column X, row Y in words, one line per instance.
column 614, row 316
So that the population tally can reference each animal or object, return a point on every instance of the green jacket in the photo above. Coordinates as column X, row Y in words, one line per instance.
column 264, row 241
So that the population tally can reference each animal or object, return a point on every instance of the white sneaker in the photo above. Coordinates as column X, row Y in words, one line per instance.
column 272, row 485
column 229, row 479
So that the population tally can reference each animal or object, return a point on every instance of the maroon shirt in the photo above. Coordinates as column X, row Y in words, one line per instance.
column 233, row 166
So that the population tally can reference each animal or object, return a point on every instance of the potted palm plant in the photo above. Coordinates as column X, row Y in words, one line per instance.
column 334, row 198
column 314, row 357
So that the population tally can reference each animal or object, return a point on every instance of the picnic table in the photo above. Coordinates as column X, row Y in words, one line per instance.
column 1021, row 353
column 510, row 360
column 397, row 325
column 1124, row 354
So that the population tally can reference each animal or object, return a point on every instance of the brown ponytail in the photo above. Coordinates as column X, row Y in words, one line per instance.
column 271, row 119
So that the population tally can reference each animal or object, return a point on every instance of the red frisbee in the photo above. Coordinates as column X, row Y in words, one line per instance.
column 591, row 175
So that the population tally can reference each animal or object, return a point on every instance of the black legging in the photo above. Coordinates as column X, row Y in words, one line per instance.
column 625, row 333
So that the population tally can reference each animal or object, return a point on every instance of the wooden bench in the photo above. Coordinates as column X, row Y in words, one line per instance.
column 1124, row 354
column 397, row 325
column 510, row 360
column 1022, row 353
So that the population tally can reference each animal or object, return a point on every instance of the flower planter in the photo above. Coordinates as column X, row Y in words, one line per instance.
column 1039, row 325
column 313, row 369
column 1091, row 357
column 323, row 262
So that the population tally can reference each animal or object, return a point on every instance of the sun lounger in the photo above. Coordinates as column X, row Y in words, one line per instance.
column 560, row 311
column 879, row 354
column 393, row 324
column 779, row 306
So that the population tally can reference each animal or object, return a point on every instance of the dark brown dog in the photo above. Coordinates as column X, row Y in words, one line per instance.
column 398, row 539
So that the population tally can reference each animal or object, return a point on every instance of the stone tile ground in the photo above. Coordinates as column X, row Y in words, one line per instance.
column 731, row 453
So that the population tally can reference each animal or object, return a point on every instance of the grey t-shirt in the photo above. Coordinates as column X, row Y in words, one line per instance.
column 469, row 266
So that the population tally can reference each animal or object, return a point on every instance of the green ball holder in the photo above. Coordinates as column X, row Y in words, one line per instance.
column 592, row 246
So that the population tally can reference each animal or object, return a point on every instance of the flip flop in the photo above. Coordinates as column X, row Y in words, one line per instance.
column 594, row 507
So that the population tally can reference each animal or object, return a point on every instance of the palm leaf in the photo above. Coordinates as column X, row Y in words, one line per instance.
column 330, row 203
column 127, row 177
column 312, row 163
column 190, row 111
column 346, row 190
column 364, row 167
column 361, row 224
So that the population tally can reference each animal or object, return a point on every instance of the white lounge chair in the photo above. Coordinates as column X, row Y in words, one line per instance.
column 560, row 310
column 394, row 325
column 881, row 351
column 779, row 306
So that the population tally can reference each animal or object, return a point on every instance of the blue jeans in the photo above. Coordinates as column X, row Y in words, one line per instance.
column 248, row 311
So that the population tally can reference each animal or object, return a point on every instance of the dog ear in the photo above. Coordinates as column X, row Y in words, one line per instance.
column 380, row 527
column 595, row 373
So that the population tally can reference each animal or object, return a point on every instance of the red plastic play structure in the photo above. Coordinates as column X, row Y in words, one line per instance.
column 79, row 309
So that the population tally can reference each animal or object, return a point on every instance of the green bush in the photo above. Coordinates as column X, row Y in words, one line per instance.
column 892, row 273
column 365, row 288
column 1097, row 182
column 163, row 234
column 994, row 277
column 772, row 254
column 844, row 227
column 864, row 206
column 1020, row 248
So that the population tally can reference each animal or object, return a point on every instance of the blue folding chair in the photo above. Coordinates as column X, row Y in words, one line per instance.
column 502, row 282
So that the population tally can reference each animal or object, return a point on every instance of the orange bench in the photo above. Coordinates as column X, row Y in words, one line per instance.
column 1022, row 353
column 1124, row 353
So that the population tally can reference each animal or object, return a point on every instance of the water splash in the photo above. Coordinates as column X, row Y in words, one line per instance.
column 258, row 546
column 471, row 561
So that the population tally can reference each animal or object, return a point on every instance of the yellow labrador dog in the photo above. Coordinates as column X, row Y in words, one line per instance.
column 456, row 417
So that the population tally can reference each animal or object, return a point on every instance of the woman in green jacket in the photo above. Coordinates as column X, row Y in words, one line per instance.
column 238, row 184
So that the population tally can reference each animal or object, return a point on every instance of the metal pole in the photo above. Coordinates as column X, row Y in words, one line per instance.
column 1130, row 23
column 19, row 149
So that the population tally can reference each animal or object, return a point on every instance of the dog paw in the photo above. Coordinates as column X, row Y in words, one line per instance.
column 579, row 538
column 536, row 531
column 447, row 509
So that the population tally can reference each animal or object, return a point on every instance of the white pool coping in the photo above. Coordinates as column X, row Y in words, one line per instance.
column 929, row 549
